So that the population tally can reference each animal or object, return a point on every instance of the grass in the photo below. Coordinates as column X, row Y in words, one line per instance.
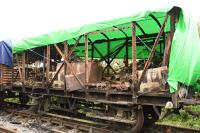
column 14, row 100
column 184, row 119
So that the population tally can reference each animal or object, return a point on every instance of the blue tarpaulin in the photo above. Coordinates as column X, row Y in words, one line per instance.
column 6, row 52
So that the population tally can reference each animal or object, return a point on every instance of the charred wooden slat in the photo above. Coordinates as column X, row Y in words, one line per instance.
column 5, row 75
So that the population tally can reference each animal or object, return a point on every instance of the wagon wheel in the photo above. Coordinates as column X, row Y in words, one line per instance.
column 136, row 126
column 23, row 98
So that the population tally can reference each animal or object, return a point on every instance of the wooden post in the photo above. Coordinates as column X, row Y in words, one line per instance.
column 23, row 69
column 86, row 61
column 169, row 41
column 12, row 72
column 43, row 69
column 23, row 66
column 108, row 53
column 66, row 49
column 126, row 56
column 26, row 62
column 65, row 65
column 47, row 66
column 134, row 56
column 48, row 60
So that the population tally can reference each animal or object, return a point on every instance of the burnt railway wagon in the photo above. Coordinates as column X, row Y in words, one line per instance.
column 116, row 74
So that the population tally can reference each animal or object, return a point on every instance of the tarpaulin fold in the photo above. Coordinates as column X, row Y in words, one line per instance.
column 6, row 53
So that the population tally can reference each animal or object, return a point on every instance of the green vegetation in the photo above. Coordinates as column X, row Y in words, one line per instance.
column 14, row 100
column 184, row 119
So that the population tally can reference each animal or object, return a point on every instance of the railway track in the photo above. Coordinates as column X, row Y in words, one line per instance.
column 175, row 129
column 7, row 130
column 66, row 123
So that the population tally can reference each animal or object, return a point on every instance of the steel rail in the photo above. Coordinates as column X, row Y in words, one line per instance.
column 64, row 121
column 7, row 130
column 171, row 129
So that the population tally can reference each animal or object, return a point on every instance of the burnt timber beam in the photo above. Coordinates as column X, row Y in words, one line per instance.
column 48, row 57
column 66, row 49
column 23, row 66
column 169, row 41
column 26, row 62
column 108, row 52
column 126, row 55
column 65, row 65
column 47, row 66
column 43, row 69
column 86, row 61
column 174, row 13
column 152, row 51
column 59, row 51
column 23, row 70
column 134, row 54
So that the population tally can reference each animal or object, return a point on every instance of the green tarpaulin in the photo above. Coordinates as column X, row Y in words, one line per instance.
column 184, row 64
